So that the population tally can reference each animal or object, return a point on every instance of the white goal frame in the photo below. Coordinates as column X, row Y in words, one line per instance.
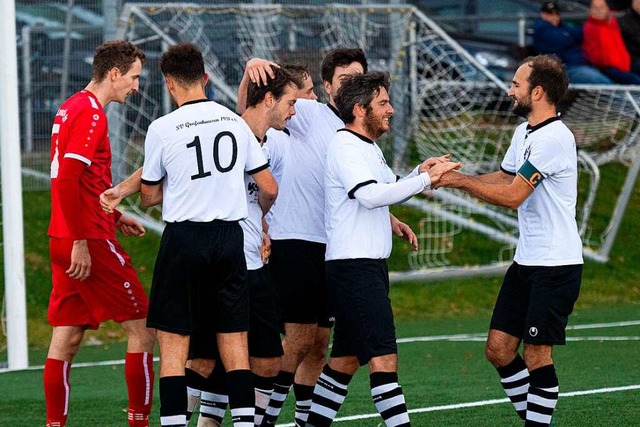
column 12, row 220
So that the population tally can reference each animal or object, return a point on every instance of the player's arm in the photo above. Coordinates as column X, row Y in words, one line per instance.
column 403, row 231
column 150, row 193
column 153, row 171
column 72, row 210
column 507, row 191
column 112, row 197
column 256, row 71
column 374, row 195
column 268, row 189
column 499, row 177
column 129, row 226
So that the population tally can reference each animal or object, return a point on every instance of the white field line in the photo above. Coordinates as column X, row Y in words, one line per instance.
column 482, row 403
column 481, row 336
column 456, row 337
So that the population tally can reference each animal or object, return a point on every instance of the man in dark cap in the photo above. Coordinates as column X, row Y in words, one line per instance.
column 554, row 36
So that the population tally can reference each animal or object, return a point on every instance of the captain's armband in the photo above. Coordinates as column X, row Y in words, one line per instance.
column 531, row 175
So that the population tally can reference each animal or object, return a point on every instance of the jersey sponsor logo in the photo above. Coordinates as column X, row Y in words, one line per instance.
column 530, row 174
column 62, row 113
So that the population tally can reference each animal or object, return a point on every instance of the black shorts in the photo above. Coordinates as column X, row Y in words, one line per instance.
column 298, row 272
column 535, row 302
column 364, row 320
column 199, row 280
column 264, row 318
column 264, row 322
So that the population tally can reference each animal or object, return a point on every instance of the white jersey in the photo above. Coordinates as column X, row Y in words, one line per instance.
column 252, row 224
column 354, row 231
column 200, row 152
column 299, row 212
column 546, row 156
column 277, row 144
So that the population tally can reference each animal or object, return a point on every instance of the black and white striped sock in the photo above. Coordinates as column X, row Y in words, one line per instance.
column 242, row 398
column 263, row 391
column 389, row 399
column 328, row 395
column 173, row 401
column 542, row 397
column 214, row 397
column 281, row 387
column 303, row 395
column 515, row 381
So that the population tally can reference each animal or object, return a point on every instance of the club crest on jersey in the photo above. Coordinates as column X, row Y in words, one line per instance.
column 527, row 153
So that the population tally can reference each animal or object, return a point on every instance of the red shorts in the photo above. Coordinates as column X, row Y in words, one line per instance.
column 111, row 292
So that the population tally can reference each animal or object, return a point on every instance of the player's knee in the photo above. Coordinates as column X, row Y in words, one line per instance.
column 203, row 367
column 318, row 353
column 65, row 343
column 139, row 337
column 497, row 356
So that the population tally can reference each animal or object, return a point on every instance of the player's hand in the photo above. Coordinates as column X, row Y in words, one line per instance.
column 80, row 267
column 432, row 161
column 110, row 199
column 439, row 170
column 265, row 248
column 257, row 69
column 130, row 226
column 402, row 230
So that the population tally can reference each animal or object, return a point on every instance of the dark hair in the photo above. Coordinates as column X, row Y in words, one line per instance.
column 299, row 71
column 184, row 63
column 115, row 53
column 276, row 86
column 359, row 89
column 548, row 72
column 341, row 58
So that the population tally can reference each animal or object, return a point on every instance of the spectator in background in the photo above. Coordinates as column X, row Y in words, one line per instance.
column 604, row 46
column 630, row 29
column 553, row 36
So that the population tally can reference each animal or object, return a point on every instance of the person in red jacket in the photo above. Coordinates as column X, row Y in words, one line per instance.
column 604, row 46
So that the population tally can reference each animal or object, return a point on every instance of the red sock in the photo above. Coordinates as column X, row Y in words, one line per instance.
column 138, row 370
column 56, row 391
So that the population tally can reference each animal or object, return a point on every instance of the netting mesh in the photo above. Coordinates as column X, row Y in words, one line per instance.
column 444, row 100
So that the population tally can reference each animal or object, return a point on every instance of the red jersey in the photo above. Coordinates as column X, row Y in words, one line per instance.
column 80, row 132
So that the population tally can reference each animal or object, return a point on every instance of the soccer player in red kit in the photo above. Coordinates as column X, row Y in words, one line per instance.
column 93, row 280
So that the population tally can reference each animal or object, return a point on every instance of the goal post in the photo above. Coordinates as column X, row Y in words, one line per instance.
column 11, row 202
column 445, row 101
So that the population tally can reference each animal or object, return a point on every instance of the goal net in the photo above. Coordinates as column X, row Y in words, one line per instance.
column 445, row 101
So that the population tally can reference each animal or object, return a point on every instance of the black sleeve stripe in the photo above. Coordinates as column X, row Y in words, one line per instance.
column 507, row 172
column 147, row 182
column 351, row 193
column 259, row 169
